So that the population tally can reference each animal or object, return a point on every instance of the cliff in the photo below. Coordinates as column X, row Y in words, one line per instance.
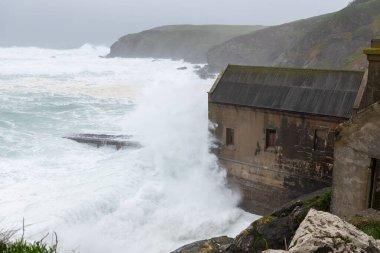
column 188, row 42
column 333, row 40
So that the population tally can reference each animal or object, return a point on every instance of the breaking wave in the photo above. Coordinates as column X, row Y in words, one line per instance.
column 153, row 199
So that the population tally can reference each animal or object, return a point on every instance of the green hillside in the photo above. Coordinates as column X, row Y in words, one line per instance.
column 188, row 42
column 334, row 40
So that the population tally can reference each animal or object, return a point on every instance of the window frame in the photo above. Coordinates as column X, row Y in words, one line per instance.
column 270, row 138
column 230, row 136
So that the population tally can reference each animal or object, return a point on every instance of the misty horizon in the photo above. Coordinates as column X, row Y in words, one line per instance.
column 70, row 24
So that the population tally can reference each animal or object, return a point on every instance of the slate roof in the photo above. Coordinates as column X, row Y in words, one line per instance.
column 311, row 91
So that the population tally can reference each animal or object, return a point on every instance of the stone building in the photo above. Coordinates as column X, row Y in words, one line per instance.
column 356, row 176
column 276, row 127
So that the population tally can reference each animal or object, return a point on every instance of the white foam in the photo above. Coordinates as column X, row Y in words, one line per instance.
column 157, row 198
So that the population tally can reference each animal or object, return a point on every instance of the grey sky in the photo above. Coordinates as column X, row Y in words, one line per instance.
column 71, row 23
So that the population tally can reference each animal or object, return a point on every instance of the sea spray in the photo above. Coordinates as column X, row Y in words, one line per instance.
column 153, row 199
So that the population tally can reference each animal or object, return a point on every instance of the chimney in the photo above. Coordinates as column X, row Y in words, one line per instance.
column 373, row 83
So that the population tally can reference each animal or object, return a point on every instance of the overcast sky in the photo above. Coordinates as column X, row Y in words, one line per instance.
column 71, row 23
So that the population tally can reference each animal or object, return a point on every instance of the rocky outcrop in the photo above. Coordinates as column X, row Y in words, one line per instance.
column 274, row 231
column 188, row 42
column 214, row 245
column 325, row 232
column 334, row 40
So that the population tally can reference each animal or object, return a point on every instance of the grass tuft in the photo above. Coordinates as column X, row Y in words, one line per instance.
column 369, row 226
column 21, row 246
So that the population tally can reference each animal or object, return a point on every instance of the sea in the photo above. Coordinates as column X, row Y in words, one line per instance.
column 167, row 192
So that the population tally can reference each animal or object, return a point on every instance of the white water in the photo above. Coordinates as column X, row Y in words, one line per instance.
column 154, row 199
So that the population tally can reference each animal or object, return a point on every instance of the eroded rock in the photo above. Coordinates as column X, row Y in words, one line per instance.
column 325, row 232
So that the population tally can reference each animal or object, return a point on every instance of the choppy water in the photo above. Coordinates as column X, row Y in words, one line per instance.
column 153, row 199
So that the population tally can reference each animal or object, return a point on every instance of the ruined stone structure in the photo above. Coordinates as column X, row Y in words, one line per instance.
column 276, row 127
column 356, row 177
column 356, row 183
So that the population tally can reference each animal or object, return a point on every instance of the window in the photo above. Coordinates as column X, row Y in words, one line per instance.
column 230, row 137
column 320, row 139
column 270, row 140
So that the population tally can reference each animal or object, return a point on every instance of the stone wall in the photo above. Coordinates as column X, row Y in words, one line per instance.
column 372, row 92
column 271, row 176
column 357, row 144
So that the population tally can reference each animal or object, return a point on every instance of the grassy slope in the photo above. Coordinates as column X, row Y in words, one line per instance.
column 230, row 30
column 187, row 42
column 331, row 41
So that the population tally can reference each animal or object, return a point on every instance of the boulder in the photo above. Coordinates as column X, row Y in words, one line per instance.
column 277, row 230
column 269, row 232
column 325, row 232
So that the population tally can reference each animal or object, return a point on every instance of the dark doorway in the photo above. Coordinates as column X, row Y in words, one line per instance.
column 374, row 196
column 230, row 139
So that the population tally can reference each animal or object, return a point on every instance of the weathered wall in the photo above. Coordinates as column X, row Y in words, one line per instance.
column 357, row 143
column 271, row 177
column 372, row 92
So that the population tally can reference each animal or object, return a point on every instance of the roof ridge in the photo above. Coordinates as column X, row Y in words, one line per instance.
column 293, row 86
column 277, row 68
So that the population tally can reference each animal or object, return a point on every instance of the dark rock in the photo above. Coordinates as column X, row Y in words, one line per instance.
column 206, row 72
column 99, row 140
column 277, row 230
column 270, row 232
column 182, row 68
column 213, row 245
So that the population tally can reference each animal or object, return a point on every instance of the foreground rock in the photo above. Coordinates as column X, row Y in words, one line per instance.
column 214, row 245
column 274, row 231
column 325, row 232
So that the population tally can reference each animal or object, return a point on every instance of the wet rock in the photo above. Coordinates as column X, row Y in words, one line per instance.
column 214, row 245
column 277, row 230
column 182, row 68
column 206, row 72
column 270, row 232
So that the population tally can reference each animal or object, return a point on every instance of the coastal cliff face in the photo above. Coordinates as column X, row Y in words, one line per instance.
column 188, row 42
column 334, row 40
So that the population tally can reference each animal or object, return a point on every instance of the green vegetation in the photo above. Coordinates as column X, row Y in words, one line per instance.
column 328, row 41
column 21, row 246
column 188, row 42
column 225, row 29
column 266, row 219
column 7, row 245
column 369, row 226
column 322, row 203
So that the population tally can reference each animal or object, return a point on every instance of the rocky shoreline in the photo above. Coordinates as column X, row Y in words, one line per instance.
column 303, row 225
